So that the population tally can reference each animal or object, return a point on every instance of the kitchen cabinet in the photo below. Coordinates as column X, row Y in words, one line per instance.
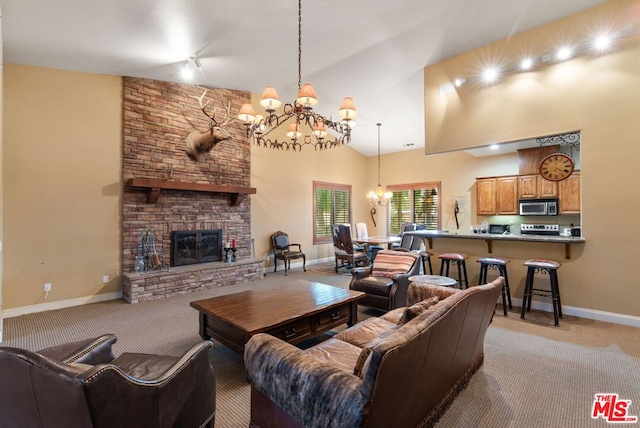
column 497, row 195
column 507, row 195
column 486, row 196
column 536, row 186
column 569, row 194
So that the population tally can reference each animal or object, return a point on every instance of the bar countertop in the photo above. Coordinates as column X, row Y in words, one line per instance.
column 429, row 235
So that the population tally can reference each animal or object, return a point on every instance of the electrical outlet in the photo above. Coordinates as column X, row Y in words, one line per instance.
column 105, row 279
column 47, row 286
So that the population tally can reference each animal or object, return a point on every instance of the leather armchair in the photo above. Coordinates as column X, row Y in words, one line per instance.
column 81, row 384
column 386, row 282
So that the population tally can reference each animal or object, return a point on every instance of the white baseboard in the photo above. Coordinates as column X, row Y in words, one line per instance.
column 60, row 304
column 297, row 263
column 592, row 314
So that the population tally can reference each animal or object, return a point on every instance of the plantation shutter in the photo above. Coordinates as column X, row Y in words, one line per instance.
column 399, row 210
column 425, row 208
column 332, row 205
column 414, row 203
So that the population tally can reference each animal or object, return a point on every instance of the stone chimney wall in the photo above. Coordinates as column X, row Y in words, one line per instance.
column 157, row 118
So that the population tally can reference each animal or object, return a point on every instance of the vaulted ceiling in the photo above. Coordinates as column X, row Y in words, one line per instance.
column 373, row 51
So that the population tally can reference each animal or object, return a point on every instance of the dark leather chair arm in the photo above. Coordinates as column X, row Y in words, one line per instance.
column 361, row 272
column 90, row 351
column 398, row 294
column 314, row 393
column 181, row 394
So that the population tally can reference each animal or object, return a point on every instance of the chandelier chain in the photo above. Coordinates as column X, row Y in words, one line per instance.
column 299, row 45
column 301, row 112
column 379, row 125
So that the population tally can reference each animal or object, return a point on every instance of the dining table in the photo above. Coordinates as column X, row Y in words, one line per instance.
column 378, row 240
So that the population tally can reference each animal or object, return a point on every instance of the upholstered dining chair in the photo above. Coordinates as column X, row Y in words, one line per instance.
column 282, row 251
column 406, row 240
column 385, row 283
column 82, row 385
column 344, row 249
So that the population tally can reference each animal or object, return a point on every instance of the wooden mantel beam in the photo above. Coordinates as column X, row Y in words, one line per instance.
column 154, row 186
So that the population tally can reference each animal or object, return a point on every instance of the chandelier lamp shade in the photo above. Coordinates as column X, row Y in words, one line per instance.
column 304, row 126
column 379, row 197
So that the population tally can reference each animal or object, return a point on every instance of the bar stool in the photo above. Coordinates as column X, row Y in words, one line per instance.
column 418, row 247
column 459, row 260
column 426, row 259
column 542, row 266
column 499, row 264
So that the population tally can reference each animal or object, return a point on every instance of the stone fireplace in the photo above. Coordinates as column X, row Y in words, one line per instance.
column 181, row 197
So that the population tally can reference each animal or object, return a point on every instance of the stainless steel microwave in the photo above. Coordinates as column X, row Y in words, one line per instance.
column 539, row 206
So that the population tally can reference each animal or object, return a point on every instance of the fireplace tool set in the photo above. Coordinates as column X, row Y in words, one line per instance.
column 148, row 258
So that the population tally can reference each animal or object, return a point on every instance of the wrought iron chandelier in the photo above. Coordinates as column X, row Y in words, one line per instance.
column 298, row 114
column 379, row 197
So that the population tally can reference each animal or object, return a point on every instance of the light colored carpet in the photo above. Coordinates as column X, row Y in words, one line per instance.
column 534, row 374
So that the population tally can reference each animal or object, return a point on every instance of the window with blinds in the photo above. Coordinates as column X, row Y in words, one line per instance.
column 331, row 205
column 414, row 203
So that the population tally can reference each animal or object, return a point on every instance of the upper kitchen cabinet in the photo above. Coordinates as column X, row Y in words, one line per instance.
column 536, row 186
column 486, row 196
column 569, row 194
column 507, row 195
column 497, row 195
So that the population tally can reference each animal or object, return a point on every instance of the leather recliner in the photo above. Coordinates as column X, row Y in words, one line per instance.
column 81, row 384
column 385, row 283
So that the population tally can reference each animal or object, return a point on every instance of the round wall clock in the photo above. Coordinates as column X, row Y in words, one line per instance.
column 556, row 167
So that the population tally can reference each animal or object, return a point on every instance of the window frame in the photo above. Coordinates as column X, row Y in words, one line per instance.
column 413, row 187
column 333, row 187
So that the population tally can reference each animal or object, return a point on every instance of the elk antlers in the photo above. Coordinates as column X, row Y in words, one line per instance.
column 198, row 142
column 225, row 120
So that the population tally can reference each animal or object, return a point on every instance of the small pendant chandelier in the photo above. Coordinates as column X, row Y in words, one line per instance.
column 379, row 197
column 297, row 114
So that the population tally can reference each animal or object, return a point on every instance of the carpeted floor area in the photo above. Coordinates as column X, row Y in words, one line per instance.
column 534, row 374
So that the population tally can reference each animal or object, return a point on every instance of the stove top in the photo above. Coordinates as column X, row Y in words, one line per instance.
column 540, row 229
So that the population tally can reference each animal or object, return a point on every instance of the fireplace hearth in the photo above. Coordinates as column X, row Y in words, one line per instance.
column 189, row 247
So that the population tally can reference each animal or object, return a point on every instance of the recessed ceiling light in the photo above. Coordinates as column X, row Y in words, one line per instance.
column 563, row 53
column 494, row 146
column 459, row 82
column 602, row 42
column 526, row 64
column 490, row 75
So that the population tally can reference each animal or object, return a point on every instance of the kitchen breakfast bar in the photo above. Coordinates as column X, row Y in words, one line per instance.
column 429, row 235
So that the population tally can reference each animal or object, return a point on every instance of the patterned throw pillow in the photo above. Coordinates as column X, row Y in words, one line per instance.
column 416, row 309
column 391, row 263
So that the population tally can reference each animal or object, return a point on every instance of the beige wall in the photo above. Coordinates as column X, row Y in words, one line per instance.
column 62, row 184
column 597, row 95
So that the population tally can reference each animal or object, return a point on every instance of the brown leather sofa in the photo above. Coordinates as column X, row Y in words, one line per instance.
column 382, row 372
column 81, row 384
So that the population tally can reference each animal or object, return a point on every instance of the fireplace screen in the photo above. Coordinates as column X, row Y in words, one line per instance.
column 189, row 247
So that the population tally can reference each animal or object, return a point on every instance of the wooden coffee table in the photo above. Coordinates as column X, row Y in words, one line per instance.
column 293, row 312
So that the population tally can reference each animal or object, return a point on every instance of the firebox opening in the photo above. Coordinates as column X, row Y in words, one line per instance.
column 189, row 247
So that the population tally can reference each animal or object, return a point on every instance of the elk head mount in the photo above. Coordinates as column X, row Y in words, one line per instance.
column 198, row 142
